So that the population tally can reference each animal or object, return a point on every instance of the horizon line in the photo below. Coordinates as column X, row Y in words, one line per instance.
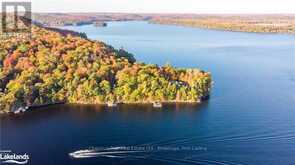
column 158, row 13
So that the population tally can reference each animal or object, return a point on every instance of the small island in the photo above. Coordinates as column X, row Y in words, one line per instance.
column 100, row 24
column 55, row 66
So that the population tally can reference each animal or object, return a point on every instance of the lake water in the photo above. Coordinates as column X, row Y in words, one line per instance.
column 250, row 118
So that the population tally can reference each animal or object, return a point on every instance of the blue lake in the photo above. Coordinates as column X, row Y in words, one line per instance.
column 249, row 118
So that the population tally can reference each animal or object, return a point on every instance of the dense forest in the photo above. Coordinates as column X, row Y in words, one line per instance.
column 77, row 19
column 51, row 67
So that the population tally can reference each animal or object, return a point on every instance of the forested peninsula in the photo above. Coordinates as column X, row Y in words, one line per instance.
column 52, row 67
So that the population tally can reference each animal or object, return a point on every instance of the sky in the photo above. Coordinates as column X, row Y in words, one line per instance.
column 164, row 6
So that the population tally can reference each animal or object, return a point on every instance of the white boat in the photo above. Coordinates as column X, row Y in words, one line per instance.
column 157, row 104
column 17, row 111
column 112, row 104
column 20, row 110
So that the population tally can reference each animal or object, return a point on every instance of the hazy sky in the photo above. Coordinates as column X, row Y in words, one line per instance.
column 165, row 6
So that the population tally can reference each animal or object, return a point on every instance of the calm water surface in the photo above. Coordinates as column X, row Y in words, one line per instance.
column 248, row 120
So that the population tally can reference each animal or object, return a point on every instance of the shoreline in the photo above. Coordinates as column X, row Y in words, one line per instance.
column 31, row 108
column 220, row 29
column 190, row 26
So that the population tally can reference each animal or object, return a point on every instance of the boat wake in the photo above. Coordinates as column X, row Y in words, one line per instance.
column 123, row 153
column 112, row 152
column 165, row 155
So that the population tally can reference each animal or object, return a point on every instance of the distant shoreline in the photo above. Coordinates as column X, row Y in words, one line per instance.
column 223, row 30
column 252, row 23
column 215, row 27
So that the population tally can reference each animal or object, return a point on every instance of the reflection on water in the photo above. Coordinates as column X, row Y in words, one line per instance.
column 248, row 120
